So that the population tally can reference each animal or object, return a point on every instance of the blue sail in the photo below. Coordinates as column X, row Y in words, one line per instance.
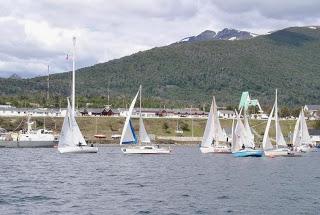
column 129, row 135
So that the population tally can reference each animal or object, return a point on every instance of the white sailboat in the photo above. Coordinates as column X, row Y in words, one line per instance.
column 242, row 144
column 71, row 139
column 281, row 148
column 214, row 139
column 301, row 140
column 143, row 142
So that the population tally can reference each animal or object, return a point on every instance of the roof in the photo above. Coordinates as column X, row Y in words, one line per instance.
column 312, row 107
column 314, row 132
column 226, row 111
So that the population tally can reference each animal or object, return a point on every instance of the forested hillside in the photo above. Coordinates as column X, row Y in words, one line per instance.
column 192, row 72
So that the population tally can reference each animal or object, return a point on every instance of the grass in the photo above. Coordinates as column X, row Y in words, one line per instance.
column 158, row 126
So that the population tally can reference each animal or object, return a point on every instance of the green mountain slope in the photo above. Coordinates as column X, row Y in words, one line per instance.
column 287, row 59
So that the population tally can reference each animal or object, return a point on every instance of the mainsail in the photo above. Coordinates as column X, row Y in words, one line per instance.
column 143, row 135
column 213, row 130
column 250, row 137
column 266, row 143
column 280, row 141
column 239, row 136
column 296, row 140
column 207, row 135
column 70, row 133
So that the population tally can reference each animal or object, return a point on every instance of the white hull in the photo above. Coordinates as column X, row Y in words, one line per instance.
column 305, row 148
column 278, row 152
column 27, row 144
column 215, row 149
column 147, row 149
column 78, row 149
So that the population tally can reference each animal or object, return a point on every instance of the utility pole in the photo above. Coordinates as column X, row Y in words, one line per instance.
column 191, row 121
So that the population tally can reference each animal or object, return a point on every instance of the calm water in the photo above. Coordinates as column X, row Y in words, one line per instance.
column 42, row 181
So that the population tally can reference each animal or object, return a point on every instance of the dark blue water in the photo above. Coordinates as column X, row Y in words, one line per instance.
column 42, row 181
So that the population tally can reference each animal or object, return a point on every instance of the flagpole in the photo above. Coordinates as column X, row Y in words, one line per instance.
column 73, row 76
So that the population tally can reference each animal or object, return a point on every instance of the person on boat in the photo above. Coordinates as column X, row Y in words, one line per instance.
column 212, row 142
column 91, row 144
column 79, row 144
column 243, row 147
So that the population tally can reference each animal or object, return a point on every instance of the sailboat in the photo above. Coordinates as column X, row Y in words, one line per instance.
column 142, row 143
column 214, row 139
column 71, row 139
column 301, row 140
column 281, row 148
column 242, row 144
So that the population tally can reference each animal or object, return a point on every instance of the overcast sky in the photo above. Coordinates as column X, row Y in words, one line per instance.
column 37, row 33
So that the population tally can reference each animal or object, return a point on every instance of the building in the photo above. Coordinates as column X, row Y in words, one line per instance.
column 313, row 111
column 13, row 111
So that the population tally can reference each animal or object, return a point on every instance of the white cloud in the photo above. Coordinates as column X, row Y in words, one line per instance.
column 37, row 33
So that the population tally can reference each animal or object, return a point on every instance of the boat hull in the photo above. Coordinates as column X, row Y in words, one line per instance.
column 213, row 149
column 248, row 153
column 305, row 149
column 146, row 150
column 27, row 144
column 78, row 149
column 278, row 153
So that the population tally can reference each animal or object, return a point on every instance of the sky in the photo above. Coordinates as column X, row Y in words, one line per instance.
column 35, row 34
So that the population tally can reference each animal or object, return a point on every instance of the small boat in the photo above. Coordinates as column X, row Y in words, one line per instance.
column 143, row 143
column 281, row 148
column 242, row 145
column 100, row 136
column 301, row 140
column 214, row 140
column 71, row 139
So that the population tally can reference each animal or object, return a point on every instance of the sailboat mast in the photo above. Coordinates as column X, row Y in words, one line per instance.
column 48, row 84
column 139, row 142
column 73, row 76
column 276, row 116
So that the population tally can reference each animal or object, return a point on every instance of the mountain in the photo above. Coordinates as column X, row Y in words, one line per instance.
column 287, row 59
column 225, row 34
column 15, row 76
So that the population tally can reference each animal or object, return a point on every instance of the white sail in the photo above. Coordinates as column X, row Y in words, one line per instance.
column 296, row 139
column 70, row 132
column 143, row 135
column 217, row 130
column 128, row 135
column 305, row 136
column 239, row 136
column 280, row 141
column 266, row 140
column 268, row 144
column 207, row 135
column 249, row 136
